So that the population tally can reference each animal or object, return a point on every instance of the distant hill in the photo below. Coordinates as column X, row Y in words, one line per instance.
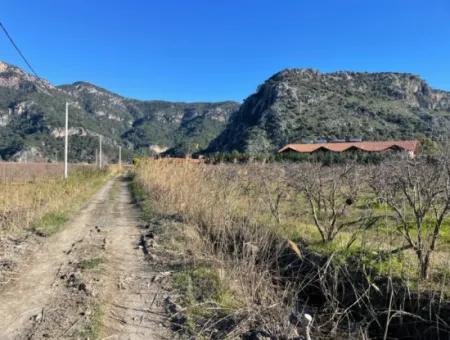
column 32, row 117
column 304, row 104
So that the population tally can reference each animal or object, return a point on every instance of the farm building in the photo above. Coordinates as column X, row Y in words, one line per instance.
column 409, row 146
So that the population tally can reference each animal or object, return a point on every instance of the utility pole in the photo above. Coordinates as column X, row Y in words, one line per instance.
column 100, row 165
column 66, row 141
column 120, row 157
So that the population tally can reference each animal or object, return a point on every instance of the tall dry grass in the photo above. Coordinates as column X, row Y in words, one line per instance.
column 215, row 201
column 39, row 189
column 14, row 172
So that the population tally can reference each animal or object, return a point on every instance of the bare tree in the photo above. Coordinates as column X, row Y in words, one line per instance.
column 269, row 181
column 418, row 194
column 331, row 194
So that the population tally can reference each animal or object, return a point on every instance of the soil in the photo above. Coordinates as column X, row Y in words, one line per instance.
column 97, row 278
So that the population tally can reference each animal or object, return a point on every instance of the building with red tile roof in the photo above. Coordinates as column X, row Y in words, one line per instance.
column 410, row 146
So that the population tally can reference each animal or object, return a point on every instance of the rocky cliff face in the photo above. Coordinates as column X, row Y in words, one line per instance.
column 32, row 117
column 304, row 104
column 13, row 77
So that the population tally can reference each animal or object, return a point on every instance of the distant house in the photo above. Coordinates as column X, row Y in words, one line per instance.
column 409, row 146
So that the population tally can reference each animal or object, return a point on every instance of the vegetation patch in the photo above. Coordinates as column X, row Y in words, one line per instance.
column 44, row 205
column 92, row 329
column 92, row 263
column 205, row 297
column 50, row 223
column 141, row 198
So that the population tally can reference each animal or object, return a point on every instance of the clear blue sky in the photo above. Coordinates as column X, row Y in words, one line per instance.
column 210, row 50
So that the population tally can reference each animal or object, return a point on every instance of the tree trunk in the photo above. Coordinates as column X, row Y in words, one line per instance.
column 424, row 264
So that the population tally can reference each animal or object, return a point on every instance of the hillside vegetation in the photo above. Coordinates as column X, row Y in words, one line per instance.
column 32, row 120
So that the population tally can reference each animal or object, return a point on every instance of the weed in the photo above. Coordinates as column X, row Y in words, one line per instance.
column 50, row 223
column 90, row 263
column 93, row 328
column 205, row 295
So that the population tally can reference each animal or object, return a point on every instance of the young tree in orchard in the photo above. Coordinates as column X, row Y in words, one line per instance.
column 418, row 194
column 270, row 183
column 331, row 194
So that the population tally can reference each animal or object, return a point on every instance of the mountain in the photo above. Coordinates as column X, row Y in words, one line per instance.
column 32, row 120
column 296, row 105
column 292, row 106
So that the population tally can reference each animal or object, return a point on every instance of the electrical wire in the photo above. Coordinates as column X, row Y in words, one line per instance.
column 18, row 49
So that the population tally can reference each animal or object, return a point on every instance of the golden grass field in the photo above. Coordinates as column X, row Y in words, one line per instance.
column 33, row 191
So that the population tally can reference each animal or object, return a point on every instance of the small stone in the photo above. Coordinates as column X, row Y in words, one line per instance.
column 82, row 286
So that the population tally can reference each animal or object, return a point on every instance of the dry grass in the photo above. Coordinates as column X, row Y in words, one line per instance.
column 13, row 172
column 39, row 191
column 238, row 219
column 218, row 233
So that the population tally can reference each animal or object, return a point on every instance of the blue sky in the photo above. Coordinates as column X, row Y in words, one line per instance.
column 198, row 50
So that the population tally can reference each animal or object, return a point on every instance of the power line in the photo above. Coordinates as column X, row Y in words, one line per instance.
column 18, row 50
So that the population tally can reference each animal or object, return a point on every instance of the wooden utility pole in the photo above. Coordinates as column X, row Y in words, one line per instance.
column 100, row 165
column 66, row 142
column 96, row 158
column 120, row 157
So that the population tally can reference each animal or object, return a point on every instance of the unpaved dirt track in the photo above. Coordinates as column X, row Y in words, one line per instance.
column 55, row 297
column 134, row 301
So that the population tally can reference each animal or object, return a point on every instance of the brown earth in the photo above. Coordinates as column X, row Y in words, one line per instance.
column 94, row 279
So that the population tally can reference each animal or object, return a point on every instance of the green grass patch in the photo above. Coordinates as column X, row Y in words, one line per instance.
column 205, row 296
column 50, row 223
column 93, row 328
column 141, row 198
column 90, row 181
column 90, row 263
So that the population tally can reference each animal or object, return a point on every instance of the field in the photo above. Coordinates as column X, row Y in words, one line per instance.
column 21, row 172
column 363, row 250
column 36, row 196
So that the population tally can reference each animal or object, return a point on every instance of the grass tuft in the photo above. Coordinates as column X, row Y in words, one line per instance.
column 50, row 223
column 92, row 330
column 92, row 263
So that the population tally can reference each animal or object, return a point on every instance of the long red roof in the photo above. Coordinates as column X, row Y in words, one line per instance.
column 407, row 145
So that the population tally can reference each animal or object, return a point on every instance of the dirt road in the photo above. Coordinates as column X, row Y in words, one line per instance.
column 91, row 280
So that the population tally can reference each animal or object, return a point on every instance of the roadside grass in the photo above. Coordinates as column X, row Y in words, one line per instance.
column 50, row 223
column 205, row 295
column 141, row 198
column 205, row 291
column 44, row 206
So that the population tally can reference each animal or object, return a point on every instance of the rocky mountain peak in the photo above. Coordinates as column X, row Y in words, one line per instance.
column 14, row 77
column 81, row 88
column 295, row 73
column 297, row 83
